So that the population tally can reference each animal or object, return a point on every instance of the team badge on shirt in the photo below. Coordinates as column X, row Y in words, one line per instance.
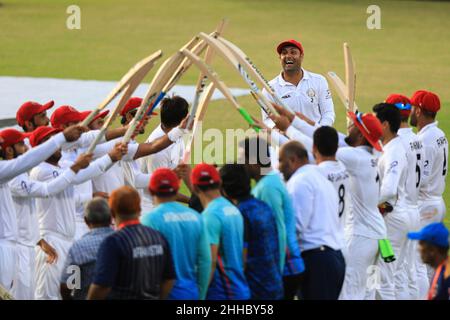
column 311, row 93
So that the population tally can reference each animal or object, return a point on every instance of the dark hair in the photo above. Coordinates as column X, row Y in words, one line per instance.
column 256, row 148
column 208, row 187
column 326, row 140
column 235, row 181
column 295, row 148
column 428, row 114
column 173, row 111
column 123, row 120
column 390, row 113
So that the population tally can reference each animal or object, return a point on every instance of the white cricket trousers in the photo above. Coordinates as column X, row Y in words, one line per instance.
column 48, row 276
column 417, row 284
column 8, row 264
column 81, row 228
column 430, row 211
column 361, row 256
column 24, row 285
column 394, row 275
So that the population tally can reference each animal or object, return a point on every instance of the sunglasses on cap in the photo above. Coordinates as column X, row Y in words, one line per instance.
column 403, row 106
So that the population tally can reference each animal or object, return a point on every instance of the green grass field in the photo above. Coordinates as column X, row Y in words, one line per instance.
column 410, row 52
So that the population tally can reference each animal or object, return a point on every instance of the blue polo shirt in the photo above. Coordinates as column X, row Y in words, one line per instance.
column 134, row 262
column 184, row 230
column 225, row 228
column 272, row 190
column 262, row 268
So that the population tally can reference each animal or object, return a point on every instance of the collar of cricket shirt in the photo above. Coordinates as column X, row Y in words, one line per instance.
column 284, row 83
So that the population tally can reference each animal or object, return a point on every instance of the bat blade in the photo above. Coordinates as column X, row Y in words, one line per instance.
column 350, row 77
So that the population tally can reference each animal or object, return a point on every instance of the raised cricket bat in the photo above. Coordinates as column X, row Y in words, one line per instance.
column 163, row 75
column 145, row 64
column 346, row 91
column 199, row 115
column 213, row 77
column 226, row 54
column 133, row 84
column 350, row 77
column 253, row 71
column 202, row 77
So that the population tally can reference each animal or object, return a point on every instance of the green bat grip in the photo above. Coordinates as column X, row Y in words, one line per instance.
column 387, row 253
column 248, row 118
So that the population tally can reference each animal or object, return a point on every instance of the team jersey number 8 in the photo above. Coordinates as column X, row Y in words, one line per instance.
column 341, row 194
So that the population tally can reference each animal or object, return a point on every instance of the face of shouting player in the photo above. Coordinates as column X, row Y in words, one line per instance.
column 291, row 59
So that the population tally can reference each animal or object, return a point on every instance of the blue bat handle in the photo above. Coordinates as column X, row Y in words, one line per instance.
column 157, row 101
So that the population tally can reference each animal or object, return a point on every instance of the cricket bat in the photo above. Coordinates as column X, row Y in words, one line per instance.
column 133, row 84
column 254, row 71
column 199, row 115
column 144, row 65
column 346, row 91
column 226, row 54
column 201, row 82
column 162, row 76
column 220, row 85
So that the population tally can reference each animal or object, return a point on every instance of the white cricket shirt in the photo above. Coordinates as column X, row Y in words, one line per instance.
column 311, row 96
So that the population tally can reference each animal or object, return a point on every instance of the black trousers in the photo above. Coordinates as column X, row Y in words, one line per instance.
column 324, row 274
column 291, row 285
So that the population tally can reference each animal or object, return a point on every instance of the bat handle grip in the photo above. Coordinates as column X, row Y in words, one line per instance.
column 248, row 118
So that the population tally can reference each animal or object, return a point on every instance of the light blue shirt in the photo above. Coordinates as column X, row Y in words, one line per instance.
column 184, row 230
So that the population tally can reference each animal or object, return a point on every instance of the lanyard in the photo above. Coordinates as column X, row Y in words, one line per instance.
column 128, row 223
column 431, row 292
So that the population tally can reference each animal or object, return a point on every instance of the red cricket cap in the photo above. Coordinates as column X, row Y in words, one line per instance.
column 101, row 115
column 64, row 115
column 290, row 42
column 416, row 98
column 401, row 102
column 430, row 102
column 164, row 180
column 29, row 109
column 204, row 174
column 133, row 103
column 370, row 127
column 41, row 133
column 12, row 136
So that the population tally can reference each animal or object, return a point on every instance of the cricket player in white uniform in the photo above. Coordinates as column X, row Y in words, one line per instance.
column 365, row 226
column 63, row 117
column 57, row 213
column 173, row 110
column 8, row 218
column 24, row 191
column 304, row 92
column 435, row 158
column 418, row 286
column 393, row 168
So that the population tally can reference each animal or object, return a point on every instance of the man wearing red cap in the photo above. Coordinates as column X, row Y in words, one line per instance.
column 432, row 208
column 57, row 213
column 365, row 226
column 8, row 219
column 98, row 121
column 225, row 231
column 32, row 115
column 184, row 229
column 24, row 191
column 393, row 169
column 418, row 282
column 301, row 90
